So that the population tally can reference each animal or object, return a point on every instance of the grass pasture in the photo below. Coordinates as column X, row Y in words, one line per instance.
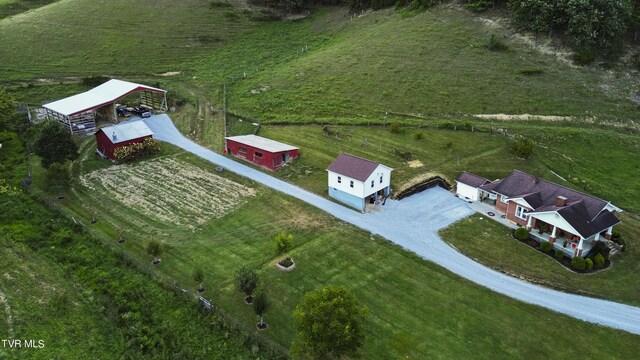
column 433, row 63
column 83, row 37
column 456, row 321
column 443, row 152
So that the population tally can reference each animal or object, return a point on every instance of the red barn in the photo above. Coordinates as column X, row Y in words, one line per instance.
column 109, row 138
column 261, row 151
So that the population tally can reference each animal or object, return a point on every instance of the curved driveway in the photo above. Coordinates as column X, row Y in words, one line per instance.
column 413, row 223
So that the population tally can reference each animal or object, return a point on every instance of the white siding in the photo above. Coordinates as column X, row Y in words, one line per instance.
column 356, row 190
column 381, row 170
column 467, row 191
column 553, row 218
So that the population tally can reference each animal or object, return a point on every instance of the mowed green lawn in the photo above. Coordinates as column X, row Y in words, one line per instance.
column 84, row 37
column 418, row 310
column 491, row 243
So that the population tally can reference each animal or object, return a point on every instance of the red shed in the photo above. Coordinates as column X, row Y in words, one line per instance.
column 109, row 138
column 261, row 151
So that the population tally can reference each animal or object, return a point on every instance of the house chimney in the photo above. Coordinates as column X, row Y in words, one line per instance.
column 561, row 201
column 113, row 136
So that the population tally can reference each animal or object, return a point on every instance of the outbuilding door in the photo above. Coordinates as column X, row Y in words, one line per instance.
column 285, row 157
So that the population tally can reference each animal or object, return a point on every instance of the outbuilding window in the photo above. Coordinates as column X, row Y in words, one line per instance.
column 242, row 150
column 258, row 154
column 351, row 183
column 339, row 179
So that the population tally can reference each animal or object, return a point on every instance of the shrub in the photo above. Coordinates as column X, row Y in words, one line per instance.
column 531, row 71
column 138, row 150
column 395, row 128
column 588, row 263
column 521, row 233
column 283, row 242
column 598, row 260
column 418, row 136
column 546, row 246
column 559, row 254
column 478, row 5
column 522, row 148
column 578, row 263
column 495, row 44
column 583, row 57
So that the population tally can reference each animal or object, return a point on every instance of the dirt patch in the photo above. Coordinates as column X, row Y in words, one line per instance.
column 169, row 190
column 7, row 309
column 415, row 164
column 420, row 183
column 170, row 73
column 524, row 117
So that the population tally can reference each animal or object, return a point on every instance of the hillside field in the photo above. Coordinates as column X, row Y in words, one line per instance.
column 429, row 71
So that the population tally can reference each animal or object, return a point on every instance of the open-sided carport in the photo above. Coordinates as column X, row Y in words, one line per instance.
column 79, row 112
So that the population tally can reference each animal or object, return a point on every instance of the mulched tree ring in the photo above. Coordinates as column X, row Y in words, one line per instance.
column 262, row 326
column 248, row 300
column 286, row 264
column 490, row 213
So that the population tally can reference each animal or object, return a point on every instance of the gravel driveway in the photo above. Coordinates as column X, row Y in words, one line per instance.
column 413, row 223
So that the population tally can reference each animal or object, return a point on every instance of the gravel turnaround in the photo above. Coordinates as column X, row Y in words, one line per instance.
column 413, row 223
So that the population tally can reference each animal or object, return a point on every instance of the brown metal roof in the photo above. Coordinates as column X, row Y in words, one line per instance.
column 471, row 179
column 353, row 166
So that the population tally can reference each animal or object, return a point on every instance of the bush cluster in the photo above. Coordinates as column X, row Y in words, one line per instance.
column 598, row 260
column 138, row 150
column 559, row 254
column 578, row 263
column 522, row 148
column 546, row 246
column 521, row 233
column 588, row 263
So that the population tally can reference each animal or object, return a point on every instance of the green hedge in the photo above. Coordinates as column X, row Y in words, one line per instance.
column 578, row 263
column 521, row 233
column 546, row 246
column 559, row 254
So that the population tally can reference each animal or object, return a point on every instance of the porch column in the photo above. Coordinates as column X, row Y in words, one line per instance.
column 609, row 232
column 529, row 223
column 579, row 249
column 597, row 237
column 552, row 238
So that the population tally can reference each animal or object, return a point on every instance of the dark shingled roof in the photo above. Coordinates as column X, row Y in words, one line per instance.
column 353, row 166
column 586, row 213
column 471, row 179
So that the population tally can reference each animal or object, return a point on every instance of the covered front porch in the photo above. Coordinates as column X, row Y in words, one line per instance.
column 572, row 245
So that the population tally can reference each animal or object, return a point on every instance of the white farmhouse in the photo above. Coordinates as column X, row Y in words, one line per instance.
column 356, row 181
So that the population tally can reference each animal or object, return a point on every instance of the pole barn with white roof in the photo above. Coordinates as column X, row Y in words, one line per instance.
column 78, row 112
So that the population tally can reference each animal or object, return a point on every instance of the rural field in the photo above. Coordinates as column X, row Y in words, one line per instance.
column 327, row 83
column 326, row 251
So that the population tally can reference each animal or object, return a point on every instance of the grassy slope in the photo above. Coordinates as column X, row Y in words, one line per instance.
column 492, row 244
column 461, row 320
column 84, row 37
column 482, row 153
column 434, row 63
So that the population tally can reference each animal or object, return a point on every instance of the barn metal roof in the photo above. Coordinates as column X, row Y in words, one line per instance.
column 261, row 143
column 127, row 131
column 99, row 96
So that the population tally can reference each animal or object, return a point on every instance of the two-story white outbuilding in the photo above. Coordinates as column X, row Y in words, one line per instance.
column 356, row 181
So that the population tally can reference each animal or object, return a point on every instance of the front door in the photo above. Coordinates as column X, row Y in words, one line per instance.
column 285, row 157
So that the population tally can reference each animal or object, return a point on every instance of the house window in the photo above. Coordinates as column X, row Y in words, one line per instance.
column 372, row 183
column 339, row 179
column 242, row 150
column 351, row 183
column 521, row 212
column 503, row 199
column 380, row 179
column 258, row 154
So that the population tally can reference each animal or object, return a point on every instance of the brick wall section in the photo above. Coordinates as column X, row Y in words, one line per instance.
column 500, row 206
column 511, row 214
